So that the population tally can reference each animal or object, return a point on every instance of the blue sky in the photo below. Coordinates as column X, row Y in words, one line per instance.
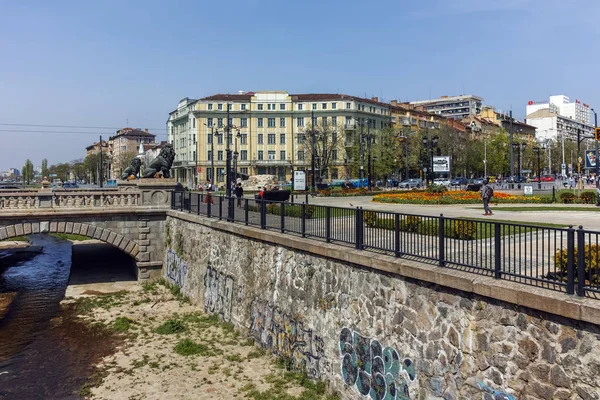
column 118, row 63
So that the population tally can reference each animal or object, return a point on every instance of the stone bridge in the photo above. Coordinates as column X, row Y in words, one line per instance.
column 130, row 217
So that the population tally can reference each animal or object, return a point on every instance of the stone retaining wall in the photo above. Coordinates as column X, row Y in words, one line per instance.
column 375, row 334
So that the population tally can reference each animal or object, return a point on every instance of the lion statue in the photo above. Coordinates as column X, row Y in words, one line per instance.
column 161, row 164
column 133, row 169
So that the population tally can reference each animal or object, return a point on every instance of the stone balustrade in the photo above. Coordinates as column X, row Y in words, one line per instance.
column 91, row 199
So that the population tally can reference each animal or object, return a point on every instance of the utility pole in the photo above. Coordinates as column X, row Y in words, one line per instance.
column 512, row 157
column 369, row 154
column 312, row 159
column 228, row 168
column 362, row 154
column 596, row 159
column 101, row 167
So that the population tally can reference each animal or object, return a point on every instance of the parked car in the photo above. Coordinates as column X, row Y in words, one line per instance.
column 474, row 185
column 459, row 181
column 410, row 183
column 442, row 181
column 70, row 185
column 547, row 178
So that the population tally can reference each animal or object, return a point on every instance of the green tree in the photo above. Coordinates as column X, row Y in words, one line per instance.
column 44, row 167
column 27, row 172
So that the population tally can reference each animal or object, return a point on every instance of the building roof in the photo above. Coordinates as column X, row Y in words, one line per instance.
column 336, row 96
column 134, row 132
column 448, row 98
column 93, row 146
column 229, row 97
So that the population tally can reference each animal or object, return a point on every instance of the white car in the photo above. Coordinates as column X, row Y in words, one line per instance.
column 442, row 181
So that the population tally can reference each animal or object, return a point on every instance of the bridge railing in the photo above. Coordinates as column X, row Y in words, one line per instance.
column 562, row 259
column 68, row 199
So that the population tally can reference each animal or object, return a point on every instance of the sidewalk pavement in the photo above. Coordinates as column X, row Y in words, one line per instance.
column 588, row 219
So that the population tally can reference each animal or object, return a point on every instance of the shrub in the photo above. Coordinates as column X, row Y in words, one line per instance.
column 588, row 197
column 464, row 230
column 567, row 197
column 410, row 223
column 591, row 261
column 290, row 210
column 435, row 188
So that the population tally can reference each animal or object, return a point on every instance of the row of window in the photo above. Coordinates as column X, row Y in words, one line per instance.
column 271, row 155
column 299, row 107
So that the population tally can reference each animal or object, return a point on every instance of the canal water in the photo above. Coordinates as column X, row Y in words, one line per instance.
column 46, row 352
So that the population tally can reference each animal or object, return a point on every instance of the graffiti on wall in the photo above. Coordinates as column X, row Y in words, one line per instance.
column 218, row 293
column 491, row 394
column 177, row 268
column 376, row 371
column 286, row 336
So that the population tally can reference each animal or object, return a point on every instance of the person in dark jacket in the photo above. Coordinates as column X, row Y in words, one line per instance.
column 239, row 193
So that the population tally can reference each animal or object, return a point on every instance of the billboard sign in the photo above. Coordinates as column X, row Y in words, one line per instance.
column 441, row 164
column 299, row 180
column 590, row 158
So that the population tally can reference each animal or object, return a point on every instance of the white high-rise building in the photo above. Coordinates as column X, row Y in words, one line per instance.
column 560, row 118
column 562, row 106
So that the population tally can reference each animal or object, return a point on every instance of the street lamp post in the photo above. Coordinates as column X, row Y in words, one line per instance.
column 539, row 175
column 429, row 145
column 362, row 152
column 212, row 154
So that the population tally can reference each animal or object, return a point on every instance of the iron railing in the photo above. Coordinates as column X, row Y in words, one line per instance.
column 563, row 259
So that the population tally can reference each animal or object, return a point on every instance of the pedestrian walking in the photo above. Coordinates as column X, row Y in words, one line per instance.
column 597, row 196
column 239, row 193
column 487, row 192
column 208, row 186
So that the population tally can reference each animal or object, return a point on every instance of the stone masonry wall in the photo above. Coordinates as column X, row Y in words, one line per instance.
column 139, row 235
column 375, row 335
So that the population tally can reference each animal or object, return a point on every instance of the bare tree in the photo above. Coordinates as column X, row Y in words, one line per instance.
column 123, row 160
column 323, row 142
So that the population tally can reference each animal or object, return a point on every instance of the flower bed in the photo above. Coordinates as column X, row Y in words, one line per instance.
column 451, row 197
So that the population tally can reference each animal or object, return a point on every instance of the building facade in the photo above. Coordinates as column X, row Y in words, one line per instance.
column 95, row 148
column 457, row 107
column 553, row 126
column 124, row 145
column 561, row 105
column 271, row 131
column 181, row 133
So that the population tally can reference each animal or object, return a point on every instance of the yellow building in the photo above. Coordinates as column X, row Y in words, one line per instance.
column 271, row 133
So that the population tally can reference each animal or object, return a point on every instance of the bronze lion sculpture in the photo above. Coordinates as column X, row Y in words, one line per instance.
column 161, row 164
column 133, row 169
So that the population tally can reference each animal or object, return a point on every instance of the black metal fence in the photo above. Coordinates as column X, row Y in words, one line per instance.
column 563, row 259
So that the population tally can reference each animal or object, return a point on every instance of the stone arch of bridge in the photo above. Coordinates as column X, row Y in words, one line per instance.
column 127, row 245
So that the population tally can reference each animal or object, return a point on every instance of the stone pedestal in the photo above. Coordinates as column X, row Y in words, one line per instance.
column 155, row 193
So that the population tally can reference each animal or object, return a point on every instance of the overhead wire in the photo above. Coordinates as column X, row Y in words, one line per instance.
column 74, row 126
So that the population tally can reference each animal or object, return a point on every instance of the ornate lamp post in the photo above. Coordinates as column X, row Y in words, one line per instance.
column 429, row 145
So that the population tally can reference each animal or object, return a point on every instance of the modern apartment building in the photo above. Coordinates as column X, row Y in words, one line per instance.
column 125, row 143
column 181, row 133
column 270, row 133
column 560, row 118
column 457, row 107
